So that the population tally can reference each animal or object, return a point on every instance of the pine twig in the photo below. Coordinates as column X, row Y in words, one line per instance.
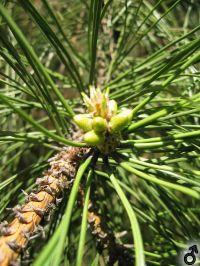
column 60, row 175
column 105, row 237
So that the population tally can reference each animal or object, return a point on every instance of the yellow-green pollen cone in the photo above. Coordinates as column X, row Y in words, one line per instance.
column 93, row 138
column 104, row 121
column 120, row 120
column 99, row 124
column 83, row 121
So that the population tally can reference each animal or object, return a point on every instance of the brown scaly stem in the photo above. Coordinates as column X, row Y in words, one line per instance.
column 105, row 237
column 106, row 240
column 60, row 175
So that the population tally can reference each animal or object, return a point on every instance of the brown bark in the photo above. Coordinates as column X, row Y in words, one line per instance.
column 105, row 237
column 60, row 175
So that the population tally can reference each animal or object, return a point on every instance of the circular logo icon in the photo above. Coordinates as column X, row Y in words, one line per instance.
column 190, row 257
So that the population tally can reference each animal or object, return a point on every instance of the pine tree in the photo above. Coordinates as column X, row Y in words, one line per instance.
column 99, row 131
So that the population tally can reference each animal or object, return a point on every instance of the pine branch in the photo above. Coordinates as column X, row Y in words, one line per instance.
column 60, row 175
column 105, row 237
